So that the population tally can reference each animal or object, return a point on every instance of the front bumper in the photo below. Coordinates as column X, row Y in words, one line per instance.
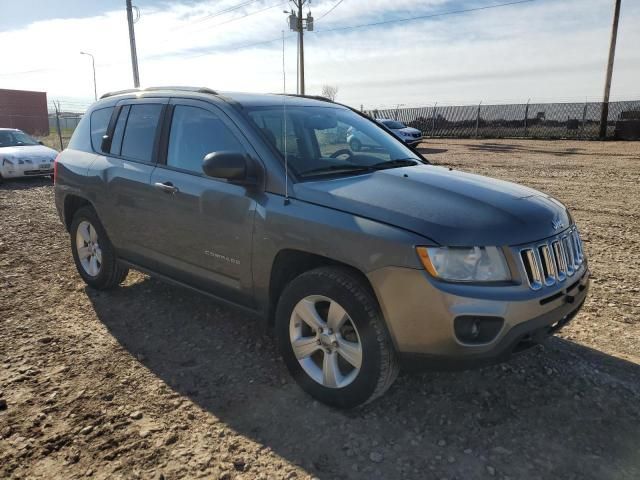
column 420, row 314
column 412, row 141
column 25, row 170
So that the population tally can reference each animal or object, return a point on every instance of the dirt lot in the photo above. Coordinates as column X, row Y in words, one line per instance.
column 152, row 381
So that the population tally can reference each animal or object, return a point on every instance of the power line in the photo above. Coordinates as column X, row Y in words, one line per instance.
column 350, row 27
column 330, row 10
column 216, row 14
column 422, row 17
column 233, row 19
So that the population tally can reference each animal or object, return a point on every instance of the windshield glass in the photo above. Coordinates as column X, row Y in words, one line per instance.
column 15, row 138
column 330, row 141
column 392, row 124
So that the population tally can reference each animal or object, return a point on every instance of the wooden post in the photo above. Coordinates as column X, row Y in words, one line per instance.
column 604, row 114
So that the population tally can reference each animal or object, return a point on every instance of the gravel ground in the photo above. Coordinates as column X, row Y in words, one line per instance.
column 152, row 381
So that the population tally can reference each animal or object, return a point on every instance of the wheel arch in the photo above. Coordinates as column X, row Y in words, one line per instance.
column 72, row 203
column 290, row 263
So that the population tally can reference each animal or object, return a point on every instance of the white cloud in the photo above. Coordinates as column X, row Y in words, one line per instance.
column 545, row 50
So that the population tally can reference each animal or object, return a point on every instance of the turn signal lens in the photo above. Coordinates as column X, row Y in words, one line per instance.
column 423, row 253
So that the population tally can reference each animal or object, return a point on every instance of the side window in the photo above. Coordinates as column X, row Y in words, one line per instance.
column 140, row 132
column 99, row 124
column 195, row 132
column 118, row 131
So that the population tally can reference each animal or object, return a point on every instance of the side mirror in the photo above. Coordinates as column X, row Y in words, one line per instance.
column 231, row 166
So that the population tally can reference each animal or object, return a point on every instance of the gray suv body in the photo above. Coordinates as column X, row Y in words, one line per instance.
column 362, row 262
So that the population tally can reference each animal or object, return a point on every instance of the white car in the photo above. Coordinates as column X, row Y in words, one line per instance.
column 410, row 136
column 23, row 156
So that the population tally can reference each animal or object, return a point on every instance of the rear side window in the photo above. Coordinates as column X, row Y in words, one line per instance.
column 99, row 124
column 140, row 132
column 195, row 132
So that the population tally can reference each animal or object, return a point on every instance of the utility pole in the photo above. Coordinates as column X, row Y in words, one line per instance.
column 298, row 24
column 604, row 117
column 132, row 43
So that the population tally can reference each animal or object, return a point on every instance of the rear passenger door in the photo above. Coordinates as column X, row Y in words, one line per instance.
column 203, row 226
column 134, row 133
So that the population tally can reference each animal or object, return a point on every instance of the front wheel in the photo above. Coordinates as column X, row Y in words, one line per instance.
column 93, row 253
column 333, row 338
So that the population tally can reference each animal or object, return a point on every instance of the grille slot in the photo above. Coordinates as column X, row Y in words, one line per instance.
column 532, row 268
column 568, row 253
column 554, row 261
column 548, row 265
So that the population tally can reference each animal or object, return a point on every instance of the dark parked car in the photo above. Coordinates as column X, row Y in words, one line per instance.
column 362, row 262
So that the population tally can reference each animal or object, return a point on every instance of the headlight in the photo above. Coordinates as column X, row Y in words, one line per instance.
column 6, row 161
column 465, row 264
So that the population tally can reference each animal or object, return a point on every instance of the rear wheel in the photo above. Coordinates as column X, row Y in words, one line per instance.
column 333, row 338
column 93, row 253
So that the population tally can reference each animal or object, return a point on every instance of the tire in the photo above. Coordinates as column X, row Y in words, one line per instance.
column 97, row 264
column 324, row 291
column 355, row 144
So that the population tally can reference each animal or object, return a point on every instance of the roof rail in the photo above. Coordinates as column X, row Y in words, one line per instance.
column 313, row 97
column 153, row 89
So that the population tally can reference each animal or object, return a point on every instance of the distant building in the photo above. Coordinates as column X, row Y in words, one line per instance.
column 25, row 110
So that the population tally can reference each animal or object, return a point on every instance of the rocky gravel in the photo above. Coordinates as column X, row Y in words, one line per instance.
column 153, row 381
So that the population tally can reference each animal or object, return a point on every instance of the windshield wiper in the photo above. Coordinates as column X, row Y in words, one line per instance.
column 347, row 168
column 400, row 162
column 353, row 168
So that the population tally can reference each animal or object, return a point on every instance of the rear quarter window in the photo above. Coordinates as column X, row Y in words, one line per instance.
column 99, row 124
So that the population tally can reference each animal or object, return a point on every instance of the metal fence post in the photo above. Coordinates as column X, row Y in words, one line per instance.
column 477, row 119
column 526, row 118
column 584, row 117
column 57, row 107
column 433, row 120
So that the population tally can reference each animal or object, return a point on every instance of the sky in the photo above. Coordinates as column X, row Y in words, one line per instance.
column 541, row 50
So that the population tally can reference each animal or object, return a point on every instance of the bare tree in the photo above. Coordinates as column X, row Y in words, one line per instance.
column 330, row 92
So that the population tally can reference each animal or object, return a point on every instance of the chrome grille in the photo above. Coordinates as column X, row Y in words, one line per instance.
column 549, row 262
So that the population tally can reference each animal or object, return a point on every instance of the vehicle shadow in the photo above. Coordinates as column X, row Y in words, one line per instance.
column 512, row 148
column 560, row 411
column 431, row 151
column 25, row 183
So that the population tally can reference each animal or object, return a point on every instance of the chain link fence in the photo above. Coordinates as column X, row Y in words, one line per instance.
column 530, row 120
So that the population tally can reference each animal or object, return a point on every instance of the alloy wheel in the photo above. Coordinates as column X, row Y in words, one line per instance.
column 325, row 341
column 88, row 247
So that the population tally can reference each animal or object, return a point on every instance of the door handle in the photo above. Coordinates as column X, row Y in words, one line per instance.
column 166, row 187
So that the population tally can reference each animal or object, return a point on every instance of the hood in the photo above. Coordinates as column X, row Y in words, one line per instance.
column 451, row 208
column 31, row 152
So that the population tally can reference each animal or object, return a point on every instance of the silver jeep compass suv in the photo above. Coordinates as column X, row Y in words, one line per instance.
column 361, row 261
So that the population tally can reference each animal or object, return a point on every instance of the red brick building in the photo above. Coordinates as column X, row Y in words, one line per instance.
column 25, row 110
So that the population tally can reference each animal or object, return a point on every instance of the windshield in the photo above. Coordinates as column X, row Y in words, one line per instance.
column 15, row 138
column 393, row 125
column 330, row 141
